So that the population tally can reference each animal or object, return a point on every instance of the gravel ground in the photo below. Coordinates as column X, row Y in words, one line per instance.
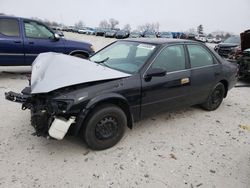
column 185, row 148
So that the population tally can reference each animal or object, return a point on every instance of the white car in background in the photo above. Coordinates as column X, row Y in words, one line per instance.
column 201, row 37
column 210, row 39
column 217, row 40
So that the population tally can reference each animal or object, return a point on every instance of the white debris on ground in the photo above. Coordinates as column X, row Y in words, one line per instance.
column 185, row 148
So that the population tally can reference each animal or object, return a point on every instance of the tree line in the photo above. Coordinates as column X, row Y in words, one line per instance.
column 113, row 24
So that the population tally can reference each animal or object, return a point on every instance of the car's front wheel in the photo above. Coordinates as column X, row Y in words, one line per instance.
column 104, row 127
column 215, row 98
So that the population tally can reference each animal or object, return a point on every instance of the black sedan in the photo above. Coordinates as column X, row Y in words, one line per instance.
column 228, row 47
column 122, row 83
column 122, row 34
column 110, row 33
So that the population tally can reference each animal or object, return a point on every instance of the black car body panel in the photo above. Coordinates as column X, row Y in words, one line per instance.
column 244, row 64
column 138, row 95
column 225, row 49
column 243, row 57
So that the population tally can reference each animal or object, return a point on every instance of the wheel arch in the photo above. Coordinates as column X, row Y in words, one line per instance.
column 113, row 98
column 225, row 83
column 85, row 53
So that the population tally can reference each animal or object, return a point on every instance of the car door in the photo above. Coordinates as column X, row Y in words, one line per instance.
column 205, row 72
column 169, row 91
column 38, row 39
column 11, row 42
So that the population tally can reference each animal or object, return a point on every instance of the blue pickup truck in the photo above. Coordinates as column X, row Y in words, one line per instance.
column 21, row 40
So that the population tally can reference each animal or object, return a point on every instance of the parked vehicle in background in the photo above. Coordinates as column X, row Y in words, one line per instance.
column 210, row 39
column 133, row 79
column 178, row 35
column 191, row 36
column 21, row 40
column 243, row 58
column 100, row 31
column 149, row 34
column 229, row 46
column 122, row 34
column 71, row 29
column 201, row 37
column 244, row 64
column 135, row 34
column 90, row 31
column 110, row 33
column 81, row 31
column 217, row 40
column 58, row 31
column 86, row 30
column 165, row 35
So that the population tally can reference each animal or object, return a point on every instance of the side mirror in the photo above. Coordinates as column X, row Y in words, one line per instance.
column 56, row 36
column 155, row 72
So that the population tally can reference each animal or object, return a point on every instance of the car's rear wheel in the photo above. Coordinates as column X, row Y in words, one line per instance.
column 215, row 98
column 104, row 127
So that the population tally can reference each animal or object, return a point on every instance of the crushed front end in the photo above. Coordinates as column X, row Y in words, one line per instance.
column 49, row 117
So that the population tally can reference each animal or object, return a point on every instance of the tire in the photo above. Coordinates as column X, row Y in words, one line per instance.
column 215, row 98
column 105, row 127
column 80, row 56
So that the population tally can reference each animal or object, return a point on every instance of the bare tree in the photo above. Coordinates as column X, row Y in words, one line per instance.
column 104, row 24
column 127, row 27
column 152, row 27
column 79, row 24
column 113, row 22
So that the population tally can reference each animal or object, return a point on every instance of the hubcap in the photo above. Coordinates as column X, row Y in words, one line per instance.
column 217, row 96
column 106, row 128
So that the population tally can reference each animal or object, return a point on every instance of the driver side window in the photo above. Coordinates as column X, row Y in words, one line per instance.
column 36, row 30
column 171, row 59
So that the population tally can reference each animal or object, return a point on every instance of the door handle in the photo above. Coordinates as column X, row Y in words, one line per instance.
column 31, row 42
column 185, row 81
column 17, row 41
column 216, row 73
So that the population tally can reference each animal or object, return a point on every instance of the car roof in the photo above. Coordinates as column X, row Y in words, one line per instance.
column 19, row 18
column 159, row 41
column 6, row 16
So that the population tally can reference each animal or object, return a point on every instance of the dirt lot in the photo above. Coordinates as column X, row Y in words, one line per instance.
column 184, row 148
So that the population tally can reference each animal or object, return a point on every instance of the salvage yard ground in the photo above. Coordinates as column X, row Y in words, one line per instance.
column 185, row 148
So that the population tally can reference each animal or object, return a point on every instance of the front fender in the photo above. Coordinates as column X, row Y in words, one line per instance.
column 113, row 98
column 105, row 97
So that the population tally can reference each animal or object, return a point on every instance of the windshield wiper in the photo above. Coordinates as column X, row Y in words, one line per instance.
column 102, row 61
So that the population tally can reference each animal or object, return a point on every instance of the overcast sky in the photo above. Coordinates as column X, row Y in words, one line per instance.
column 172, row 15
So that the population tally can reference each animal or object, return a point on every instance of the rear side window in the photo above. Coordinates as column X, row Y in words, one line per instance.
column 199, row 56
column 9, row 27
column 171, row 59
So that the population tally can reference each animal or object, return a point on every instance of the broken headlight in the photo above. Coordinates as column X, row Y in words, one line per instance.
column 62, row 106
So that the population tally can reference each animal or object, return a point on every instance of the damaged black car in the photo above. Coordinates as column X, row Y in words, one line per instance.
column 243, row 60
column 124, row 82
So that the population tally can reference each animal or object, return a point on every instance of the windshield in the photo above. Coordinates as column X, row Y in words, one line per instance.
column 233, row 39
column 124, row 56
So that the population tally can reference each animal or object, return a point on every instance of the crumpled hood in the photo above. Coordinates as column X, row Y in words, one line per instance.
column 51, row 71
